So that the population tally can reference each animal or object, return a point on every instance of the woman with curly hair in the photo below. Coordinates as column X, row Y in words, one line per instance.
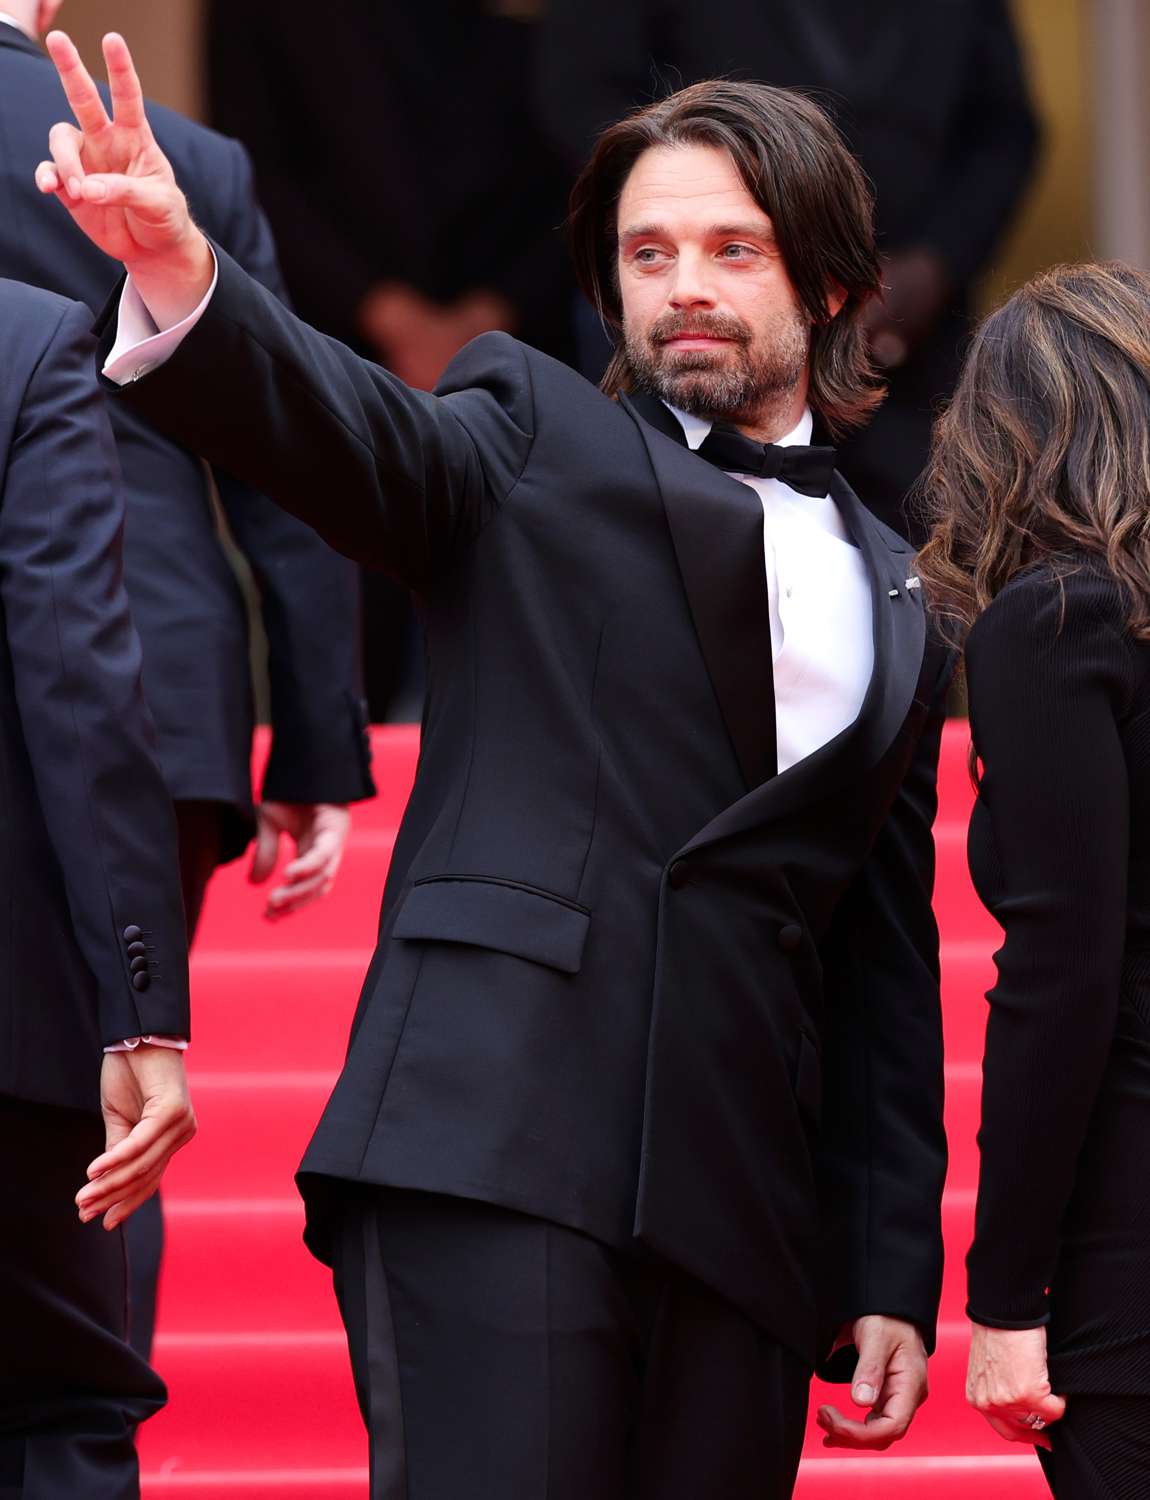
column 1039, row 562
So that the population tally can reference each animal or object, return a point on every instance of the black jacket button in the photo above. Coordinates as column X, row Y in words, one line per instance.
column 140, row 982
column 132, row 934
column 679, row 875
column 139, row 965
column 137, row 950
column 790, row 937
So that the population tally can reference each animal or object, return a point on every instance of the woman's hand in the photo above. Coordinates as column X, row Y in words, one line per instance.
column 119, row 186
column 1007, row 1381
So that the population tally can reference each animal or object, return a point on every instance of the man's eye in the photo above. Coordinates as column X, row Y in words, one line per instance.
column 647, row 256
column 736, row 252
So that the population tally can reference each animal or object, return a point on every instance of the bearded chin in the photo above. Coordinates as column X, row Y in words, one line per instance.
column 704, row 386
column 709, row 384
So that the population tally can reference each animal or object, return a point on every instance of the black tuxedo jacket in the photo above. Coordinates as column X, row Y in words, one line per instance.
column 87, row 836
column 627, row 979
column 186, row 604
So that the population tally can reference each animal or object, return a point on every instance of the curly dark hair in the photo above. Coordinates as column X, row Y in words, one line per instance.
column 799, row 171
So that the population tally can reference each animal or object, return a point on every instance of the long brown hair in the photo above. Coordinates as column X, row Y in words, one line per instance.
column 1044, row 452
column 800, row 173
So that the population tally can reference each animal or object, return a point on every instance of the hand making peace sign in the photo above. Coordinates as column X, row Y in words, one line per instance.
column 119, row 186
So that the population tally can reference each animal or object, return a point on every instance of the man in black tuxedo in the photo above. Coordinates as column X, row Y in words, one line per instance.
column 186, row 603
column 641, row 1114
column 932, row 98
column 93, row 947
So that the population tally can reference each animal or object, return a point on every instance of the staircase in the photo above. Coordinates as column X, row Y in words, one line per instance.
column 250, row 1342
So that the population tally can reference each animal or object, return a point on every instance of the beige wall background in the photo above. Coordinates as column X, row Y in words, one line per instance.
column 1054, row 223
column 164, row 36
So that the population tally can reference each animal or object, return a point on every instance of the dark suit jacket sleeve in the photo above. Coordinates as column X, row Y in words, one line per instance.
column 393, row 477
column 1050, row 680
column 992, row 150
column 76, row 665
column 883, row 1148
column 309, row 595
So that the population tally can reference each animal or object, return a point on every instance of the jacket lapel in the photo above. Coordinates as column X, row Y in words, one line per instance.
column 716, row 525
column 898, row 623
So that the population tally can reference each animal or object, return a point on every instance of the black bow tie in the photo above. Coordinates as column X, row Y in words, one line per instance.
column 807, row 470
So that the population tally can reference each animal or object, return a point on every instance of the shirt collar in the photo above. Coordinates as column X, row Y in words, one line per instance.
column 695, row 429
column 8, row 20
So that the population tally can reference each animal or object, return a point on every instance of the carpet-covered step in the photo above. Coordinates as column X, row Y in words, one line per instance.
column 888, row 1476
column 240, row 1266
column 347, row 916
column 253, row 1128
column 261, row 1400
column 259, row 1013
column 247, row 1484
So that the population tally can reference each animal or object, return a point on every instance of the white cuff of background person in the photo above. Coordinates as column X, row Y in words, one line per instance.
column 140, row 347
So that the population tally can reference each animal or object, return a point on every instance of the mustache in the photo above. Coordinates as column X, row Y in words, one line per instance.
column 698, row 325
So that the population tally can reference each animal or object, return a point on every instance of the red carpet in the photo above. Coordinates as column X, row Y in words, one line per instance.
column 250, row 1344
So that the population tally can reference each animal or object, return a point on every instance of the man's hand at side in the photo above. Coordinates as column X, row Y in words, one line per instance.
column 319, row 831
column 890, row 1378
column 148, row 1116
column 119, row 186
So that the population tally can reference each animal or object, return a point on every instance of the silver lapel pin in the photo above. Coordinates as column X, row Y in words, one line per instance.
column 914, row 583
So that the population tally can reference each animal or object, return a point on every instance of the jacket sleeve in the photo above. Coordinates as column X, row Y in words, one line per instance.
column 76, row 666
column 882, row 1150
column 394, row 478
column 309, row 595
column 1049, row 681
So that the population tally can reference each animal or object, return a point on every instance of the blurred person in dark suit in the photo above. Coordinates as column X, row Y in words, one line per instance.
column 186, row 602
column 931, row 97
column 93, row 947
column 420, row 211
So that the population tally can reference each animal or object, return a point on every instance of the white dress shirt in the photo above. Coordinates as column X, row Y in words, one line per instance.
column 817, row 585
column 820, row 603
column 7, row 20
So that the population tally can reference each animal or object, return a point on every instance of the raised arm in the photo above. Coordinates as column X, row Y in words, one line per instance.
column 387, row 475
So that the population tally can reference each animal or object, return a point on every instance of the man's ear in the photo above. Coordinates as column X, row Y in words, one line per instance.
column 836, row 297
column 46, row 15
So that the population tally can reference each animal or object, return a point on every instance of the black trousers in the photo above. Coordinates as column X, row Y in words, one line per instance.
column 200, row 829
column 71, row 1388
column 497, row 1356
column 1101, row 1449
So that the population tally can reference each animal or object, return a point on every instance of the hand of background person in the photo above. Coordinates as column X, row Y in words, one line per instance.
column 319, row 831
column 1007, row 1380
column 417, row 338
column 890, row 1378
column 119, row 186
column 148, row 1116
column 916, row 290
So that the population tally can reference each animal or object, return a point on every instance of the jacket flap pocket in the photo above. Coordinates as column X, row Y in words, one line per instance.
column 498, row 914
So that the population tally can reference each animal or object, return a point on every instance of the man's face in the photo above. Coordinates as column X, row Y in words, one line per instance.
column 711, row 320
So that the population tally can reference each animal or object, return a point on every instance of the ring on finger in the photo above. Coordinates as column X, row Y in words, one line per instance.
column 1033, row 1421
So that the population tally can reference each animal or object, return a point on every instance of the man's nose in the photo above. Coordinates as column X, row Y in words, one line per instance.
column 692, row 285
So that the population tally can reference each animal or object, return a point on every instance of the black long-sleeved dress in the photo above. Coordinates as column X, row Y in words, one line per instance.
column 1060, row 854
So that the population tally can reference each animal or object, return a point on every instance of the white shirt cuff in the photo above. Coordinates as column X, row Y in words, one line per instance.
column 130, row 1043
column 140, row 346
